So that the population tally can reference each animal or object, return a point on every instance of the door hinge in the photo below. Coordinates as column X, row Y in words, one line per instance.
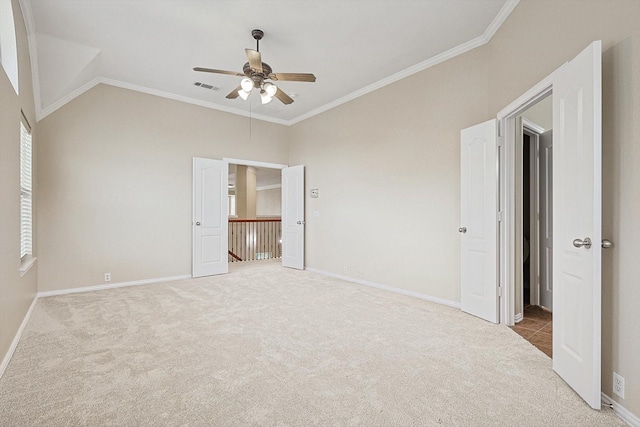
column 499, row 291
column 500, row 141
column 499, row 216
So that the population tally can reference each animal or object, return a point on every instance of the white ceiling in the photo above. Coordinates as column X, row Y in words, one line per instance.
column 352, row 46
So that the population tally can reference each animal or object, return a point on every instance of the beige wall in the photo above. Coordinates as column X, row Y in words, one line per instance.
column 387, row 164
column 387, row 169
column 16, row 293
column 245, row 191
column 115, row 183
column 269, row 202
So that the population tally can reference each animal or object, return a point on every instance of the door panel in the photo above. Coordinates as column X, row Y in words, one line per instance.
column 546, row 219
column 293, row 217
column 577, row 212
column 479, row 181
column 210, row 216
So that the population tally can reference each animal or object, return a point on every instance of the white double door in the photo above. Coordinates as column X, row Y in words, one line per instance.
column 210, row 229
column 577, row 222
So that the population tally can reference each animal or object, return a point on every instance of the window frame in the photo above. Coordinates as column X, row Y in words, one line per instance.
column 27, row 258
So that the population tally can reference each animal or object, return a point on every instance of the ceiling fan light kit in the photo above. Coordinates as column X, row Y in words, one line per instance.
column 256, row 73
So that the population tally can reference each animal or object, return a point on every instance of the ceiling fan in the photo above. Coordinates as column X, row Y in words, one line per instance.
column 256, row 73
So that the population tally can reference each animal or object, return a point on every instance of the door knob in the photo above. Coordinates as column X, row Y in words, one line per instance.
column 300, row 222
column 606, row 244
column 579, row 243
column 198, row 223
column 462, row 229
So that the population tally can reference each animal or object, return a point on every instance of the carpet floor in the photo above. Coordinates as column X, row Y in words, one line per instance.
column 269, row 346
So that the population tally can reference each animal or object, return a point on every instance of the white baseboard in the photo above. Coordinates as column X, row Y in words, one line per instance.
column 388, row 288
column 16, row 338
column 518, row 318
column 112, row 286
column 621, row 411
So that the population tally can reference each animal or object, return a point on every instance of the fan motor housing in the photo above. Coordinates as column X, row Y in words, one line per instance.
column 257, row 78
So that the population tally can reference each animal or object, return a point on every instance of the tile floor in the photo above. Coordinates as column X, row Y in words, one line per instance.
column 536, row 327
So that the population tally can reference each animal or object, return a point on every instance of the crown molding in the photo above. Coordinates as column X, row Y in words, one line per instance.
column 162, row 94
column 435, row 60
column 41, row 113
column 27, row 16
column 499, row 19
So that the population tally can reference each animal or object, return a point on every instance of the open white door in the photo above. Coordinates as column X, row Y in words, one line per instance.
column 546, row 219
column 293, row 217
column 210, row 216
column 479, row 209
column 577, row 216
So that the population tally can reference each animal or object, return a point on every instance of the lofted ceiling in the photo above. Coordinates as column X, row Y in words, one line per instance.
column 352, row 46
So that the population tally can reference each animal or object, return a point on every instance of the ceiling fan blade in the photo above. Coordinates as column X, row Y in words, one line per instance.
column 211, row 70
column 234, row 93
column 283, row 97
column 293, row 77
column 255, row 59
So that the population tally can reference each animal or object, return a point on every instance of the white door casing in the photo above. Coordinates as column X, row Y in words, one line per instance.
column 478, row 232
column 577, row 214
column 546, row 218
column 293, row 221
column 210, row 217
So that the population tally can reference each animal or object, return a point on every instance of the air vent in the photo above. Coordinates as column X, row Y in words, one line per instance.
column 206, row 86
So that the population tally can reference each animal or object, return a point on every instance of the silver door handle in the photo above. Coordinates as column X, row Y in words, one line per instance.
column 198, row 223
column 606, row 244
column 462, row 229
column 579, row 243
column 301, row 223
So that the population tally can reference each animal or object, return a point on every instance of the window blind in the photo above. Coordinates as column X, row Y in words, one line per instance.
column 26, row 203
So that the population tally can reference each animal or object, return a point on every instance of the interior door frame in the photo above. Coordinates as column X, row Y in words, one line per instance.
column 533, row 131
column 507, row 246
column 255, row 163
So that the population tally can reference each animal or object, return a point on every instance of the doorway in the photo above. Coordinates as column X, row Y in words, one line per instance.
column 210, row 222
column 255, row 206
column 534, row 218
column 577, row 217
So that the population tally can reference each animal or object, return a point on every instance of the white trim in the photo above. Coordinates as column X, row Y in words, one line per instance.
column 27, row 15
column 26, row 264
column 518, row 318
column 112, row 286
column 506, row 118
column 626, row 415
column 530, row 97
column 269, row 187
column 16, row 338
column 387, row 288
column 44, row 112
column 435, row 60
column 499, row 19
column 41, row 113
column 162, row 94
column 254, row 163
column 533, row 127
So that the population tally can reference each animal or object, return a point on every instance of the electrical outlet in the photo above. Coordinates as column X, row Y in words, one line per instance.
column 618, row 385
column 107, row 277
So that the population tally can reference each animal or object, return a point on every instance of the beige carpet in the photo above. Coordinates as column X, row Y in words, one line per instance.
column 267, row 346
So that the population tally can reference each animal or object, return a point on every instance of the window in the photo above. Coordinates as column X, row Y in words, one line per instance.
column 26, row 194
column 8, row 46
